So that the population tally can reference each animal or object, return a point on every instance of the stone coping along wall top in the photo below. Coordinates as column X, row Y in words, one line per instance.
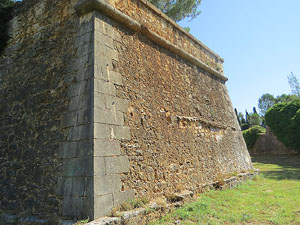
column 161, row 14
column 86, row 6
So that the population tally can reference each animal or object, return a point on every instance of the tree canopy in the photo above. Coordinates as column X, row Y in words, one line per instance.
column 178, row 9
column 284, row 121
column 285, row 98
column 253, row 119
column 265, row 102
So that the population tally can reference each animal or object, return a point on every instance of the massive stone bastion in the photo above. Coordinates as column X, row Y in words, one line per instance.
column 105, row 101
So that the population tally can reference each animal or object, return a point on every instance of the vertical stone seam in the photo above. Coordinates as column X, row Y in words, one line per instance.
column 92, row 91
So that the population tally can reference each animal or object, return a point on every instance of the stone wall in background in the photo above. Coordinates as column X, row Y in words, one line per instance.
column 268, row 143
column 104, row 101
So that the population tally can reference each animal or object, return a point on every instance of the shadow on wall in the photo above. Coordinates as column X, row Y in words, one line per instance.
column 288, row 166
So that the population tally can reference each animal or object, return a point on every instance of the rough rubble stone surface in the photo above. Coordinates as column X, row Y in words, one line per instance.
column 33, row 90
column 184, row 132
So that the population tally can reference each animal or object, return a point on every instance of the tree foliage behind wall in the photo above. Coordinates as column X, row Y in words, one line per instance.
column 284, row 121
column 267, row 100
column 251, row 135
column 178, row 9
column 6, row 9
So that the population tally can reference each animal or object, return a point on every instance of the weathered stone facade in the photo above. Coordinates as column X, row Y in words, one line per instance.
column 268, row 143
column 103, row 101
column 33, row 87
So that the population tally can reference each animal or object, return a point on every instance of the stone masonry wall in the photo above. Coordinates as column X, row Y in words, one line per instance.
column 181, row 120
column 107, row 100
column 147, row 14
column 33, row 87
column 109, row 127
column 180, row 117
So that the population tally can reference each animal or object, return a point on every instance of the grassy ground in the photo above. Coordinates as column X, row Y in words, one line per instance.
column 271, row 198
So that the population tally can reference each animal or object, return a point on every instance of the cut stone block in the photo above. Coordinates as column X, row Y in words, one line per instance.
column 102, row 131
column 117, row 164
column 105, row 147
column 115, row 77
column 108, row 116
column 116, row 103
column 120, row 132
column 122, row 196
column 99, row 166
column 105, row 87
column 107, row 184
column 103, row 205
column 99, row 100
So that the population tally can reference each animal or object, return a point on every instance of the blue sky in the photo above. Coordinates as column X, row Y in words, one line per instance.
column 259, row 41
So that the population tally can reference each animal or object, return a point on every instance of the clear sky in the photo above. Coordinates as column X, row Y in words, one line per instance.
column 259, row 41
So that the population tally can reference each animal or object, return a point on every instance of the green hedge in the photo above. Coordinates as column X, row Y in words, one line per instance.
column 284, row 121
column 250, row 135
column 6, row 9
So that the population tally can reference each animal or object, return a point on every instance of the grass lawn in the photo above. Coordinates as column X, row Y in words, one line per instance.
column 271, row 198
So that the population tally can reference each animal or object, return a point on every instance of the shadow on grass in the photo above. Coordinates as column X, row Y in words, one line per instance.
column 287, row 167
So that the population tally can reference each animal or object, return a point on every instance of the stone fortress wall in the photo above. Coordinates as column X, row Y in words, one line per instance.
column 104, row 101
column 35, row 76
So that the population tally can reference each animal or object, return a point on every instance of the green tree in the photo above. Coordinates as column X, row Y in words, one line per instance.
column 6, row 8
column 265, row 102
column 253, row 119
column 242, row 121
column 241, row 118
column 254, row 110
column 237, row 116
column 285, row 98
column 178, row 9
column 294, row 84
column 284, row 121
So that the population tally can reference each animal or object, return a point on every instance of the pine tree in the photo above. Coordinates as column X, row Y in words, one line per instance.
column 178, row 9
column 254, row 110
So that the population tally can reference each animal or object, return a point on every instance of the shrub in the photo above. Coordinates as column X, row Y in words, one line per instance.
column 245, row 126
column 284, row 121
column 133, row 204
column 250, row 135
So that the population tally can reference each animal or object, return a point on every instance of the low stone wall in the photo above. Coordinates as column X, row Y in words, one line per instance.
column 268, row 143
